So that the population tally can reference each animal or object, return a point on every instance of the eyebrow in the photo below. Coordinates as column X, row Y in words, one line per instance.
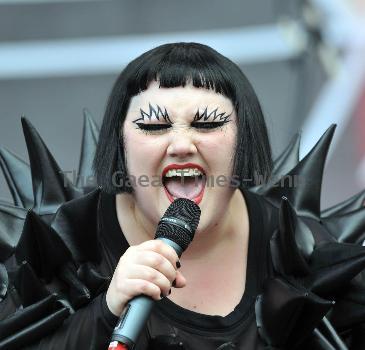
column 154, row 112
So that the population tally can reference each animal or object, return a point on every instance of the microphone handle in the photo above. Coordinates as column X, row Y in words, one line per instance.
column 136, row 313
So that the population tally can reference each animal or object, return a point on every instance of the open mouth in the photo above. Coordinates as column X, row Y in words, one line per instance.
column 184, row 182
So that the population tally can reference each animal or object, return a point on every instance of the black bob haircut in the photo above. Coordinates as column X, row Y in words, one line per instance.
column 174, row 65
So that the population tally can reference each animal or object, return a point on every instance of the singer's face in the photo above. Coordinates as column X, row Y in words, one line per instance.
column 179, row 142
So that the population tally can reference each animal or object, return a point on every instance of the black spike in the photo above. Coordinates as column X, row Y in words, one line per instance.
column 292, row 246
column 76, row 223
column 333, row 266
column 11, row 226
column 302, row 185
column 51, row 187
column 18, row 177
column 285, row 162
column 40, row 246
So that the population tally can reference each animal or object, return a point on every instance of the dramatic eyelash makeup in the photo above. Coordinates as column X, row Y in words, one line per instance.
column 202, row 120
column 210, row 120
column 153, row 112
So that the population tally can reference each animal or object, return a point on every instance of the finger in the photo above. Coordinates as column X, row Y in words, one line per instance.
column 139, row 286
column 157, row 262
column 162, row 248
column 150, row 274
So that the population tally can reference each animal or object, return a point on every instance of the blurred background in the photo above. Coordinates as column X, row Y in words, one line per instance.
column 305, row 59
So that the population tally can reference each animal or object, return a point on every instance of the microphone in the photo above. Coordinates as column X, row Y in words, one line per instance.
column 176, row 228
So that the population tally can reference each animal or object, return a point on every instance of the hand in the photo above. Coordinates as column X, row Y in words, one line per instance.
column 148, row 268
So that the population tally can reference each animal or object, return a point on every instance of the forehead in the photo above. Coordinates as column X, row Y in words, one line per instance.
column 180, row 99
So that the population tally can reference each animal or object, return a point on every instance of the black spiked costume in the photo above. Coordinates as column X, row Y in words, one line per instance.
column 57, row 256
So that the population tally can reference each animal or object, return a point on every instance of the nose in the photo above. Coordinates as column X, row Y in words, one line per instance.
column 181, row 145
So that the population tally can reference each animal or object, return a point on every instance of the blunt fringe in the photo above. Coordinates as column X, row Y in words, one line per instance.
column 174, row 65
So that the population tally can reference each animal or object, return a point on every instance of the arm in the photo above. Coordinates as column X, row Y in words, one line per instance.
column 88, row 328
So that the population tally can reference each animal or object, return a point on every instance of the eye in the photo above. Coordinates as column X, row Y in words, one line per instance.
column 153, row 127
column 208, row 125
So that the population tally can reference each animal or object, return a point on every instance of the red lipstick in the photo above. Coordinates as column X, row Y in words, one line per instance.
column 181, row 166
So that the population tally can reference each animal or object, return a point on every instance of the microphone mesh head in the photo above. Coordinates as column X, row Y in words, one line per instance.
column 185, row 211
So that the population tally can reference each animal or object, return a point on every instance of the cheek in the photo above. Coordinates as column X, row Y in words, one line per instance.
column 143, row 154
column 217, row 150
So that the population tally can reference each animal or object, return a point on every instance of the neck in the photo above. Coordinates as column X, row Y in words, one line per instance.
column 229, row 229
column 232, row 228
column 136, row 228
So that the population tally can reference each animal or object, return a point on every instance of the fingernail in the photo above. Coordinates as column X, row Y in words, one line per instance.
column 174, row 283
column 178, row 265
column 169, row 292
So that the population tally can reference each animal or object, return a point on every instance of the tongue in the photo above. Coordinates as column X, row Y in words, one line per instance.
column 184, row 188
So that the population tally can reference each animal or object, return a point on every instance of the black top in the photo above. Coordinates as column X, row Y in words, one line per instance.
column 91, row 326
column 196, row 330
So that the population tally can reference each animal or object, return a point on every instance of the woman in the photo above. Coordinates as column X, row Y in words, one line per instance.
column 183, row 121
column 178, row 108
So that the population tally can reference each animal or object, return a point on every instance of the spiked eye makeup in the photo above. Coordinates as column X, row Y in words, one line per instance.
column 202, row 120
column 157, row 113
column 211, row 120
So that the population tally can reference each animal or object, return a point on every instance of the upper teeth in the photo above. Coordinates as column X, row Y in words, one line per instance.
column 183, row 172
